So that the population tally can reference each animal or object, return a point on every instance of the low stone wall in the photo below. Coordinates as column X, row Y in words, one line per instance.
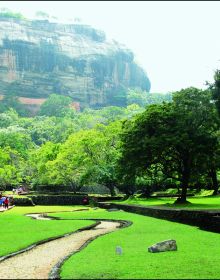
column 207, row 220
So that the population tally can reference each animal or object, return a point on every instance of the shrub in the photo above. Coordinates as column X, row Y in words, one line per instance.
column 23, row 201
column 58, row 199
column 51, row 188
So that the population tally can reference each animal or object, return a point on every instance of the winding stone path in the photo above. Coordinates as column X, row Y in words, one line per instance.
column 39, row 261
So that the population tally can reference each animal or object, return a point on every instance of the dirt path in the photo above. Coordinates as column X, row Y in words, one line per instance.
column 39, row 261
column 3, row 209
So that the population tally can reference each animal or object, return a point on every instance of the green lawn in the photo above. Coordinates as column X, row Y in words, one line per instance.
column 18, row 231
column 198, row 254
column 196, row 202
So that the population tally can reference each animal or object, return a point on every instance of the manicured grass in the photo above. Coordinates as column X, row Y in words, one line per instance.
column 196, row 202
column 10, row 193
column 198, row 254
column 146, row 201
column 18, row 231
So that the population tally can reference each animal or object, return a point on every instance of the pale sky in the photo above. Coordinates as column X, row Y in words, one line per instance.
column 177, row 43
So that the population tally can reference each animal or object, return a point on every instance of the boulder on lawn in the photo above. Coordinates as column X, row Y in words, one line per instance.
column 167, row 245
column 113, row 209
column 118, row 250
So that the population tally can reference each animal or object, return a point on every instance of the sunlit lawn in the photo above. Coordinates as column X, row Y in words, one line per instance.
column 196, row 202
column 198, row 254
column 18, row 231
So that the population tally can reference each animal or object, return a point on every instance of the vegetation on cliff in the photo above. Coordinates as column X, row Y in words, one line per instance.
column 6, row 13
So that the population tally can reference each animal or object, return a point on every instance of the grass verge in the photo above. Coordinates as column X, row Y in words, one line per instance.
column 196, row 202
column 198, row 254
column 18, row 231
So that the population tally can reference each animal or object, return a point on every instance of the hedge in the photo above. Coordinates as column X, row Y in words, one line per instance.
column 63, row 188
column 22, row 201
column 58, row 199
column 49, row 200
column 51, row 188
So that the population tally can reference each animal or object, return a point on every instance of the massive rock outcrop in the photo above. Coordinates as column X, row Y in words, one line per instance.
column 38, row 57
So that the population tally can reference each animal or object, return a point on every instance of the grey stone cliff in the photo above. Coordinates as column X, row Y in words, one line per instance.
column 38, row 58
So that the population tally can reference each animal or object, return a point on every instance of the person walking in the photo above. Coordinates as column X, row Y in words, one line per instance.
column 85, row 200
column 2, row 200
column 6, row 202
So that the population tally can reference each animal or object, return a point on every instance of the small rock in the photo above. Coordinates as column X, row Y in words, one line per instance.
column 167, row 245
column 118, row 250
column 113, row 209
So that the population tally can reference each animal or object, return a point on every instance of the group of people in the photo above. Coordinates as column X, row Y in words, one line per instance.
column 4, row 201
column 20, row 190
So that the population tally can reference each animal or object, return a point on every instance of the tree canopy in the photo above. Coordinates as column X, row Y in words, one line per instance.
column 174, row 135
column 156, row 141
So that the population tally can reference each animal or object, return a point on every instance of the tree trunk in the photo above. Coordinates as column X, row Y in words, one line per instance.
column 112, row 190
column 185, row 183
column 183, row 192
column 213, row 175
column 128, row 192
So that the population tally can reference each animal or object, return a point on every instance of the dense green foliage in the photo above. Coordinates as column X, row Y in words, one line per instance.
column 144, row 98
column 60, row 146
column 55, row 105
column 11, row 101
column 177, row 140
column 156, row 142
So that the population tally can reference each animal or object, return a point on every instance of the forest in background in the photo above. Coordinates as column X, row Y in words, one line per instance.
column 156, row 142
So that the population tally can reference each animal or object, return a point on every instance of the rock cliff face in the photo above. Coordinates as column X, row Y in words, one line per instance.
column 38, row 58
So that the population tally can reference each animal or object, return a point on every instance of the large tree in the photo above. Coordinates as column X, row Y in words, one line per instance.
column 39, row 163
column 174, row 134
column 102, row 154
column 215, row 88
column 88, row 157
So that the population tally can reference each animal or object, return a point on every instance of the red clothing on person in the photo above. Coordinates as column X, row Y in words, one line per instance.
column 6, row 202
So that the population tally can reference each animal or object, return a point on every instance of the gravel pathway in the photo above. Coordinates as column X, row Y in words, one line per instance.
column 3, row 209
column 38, row 262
